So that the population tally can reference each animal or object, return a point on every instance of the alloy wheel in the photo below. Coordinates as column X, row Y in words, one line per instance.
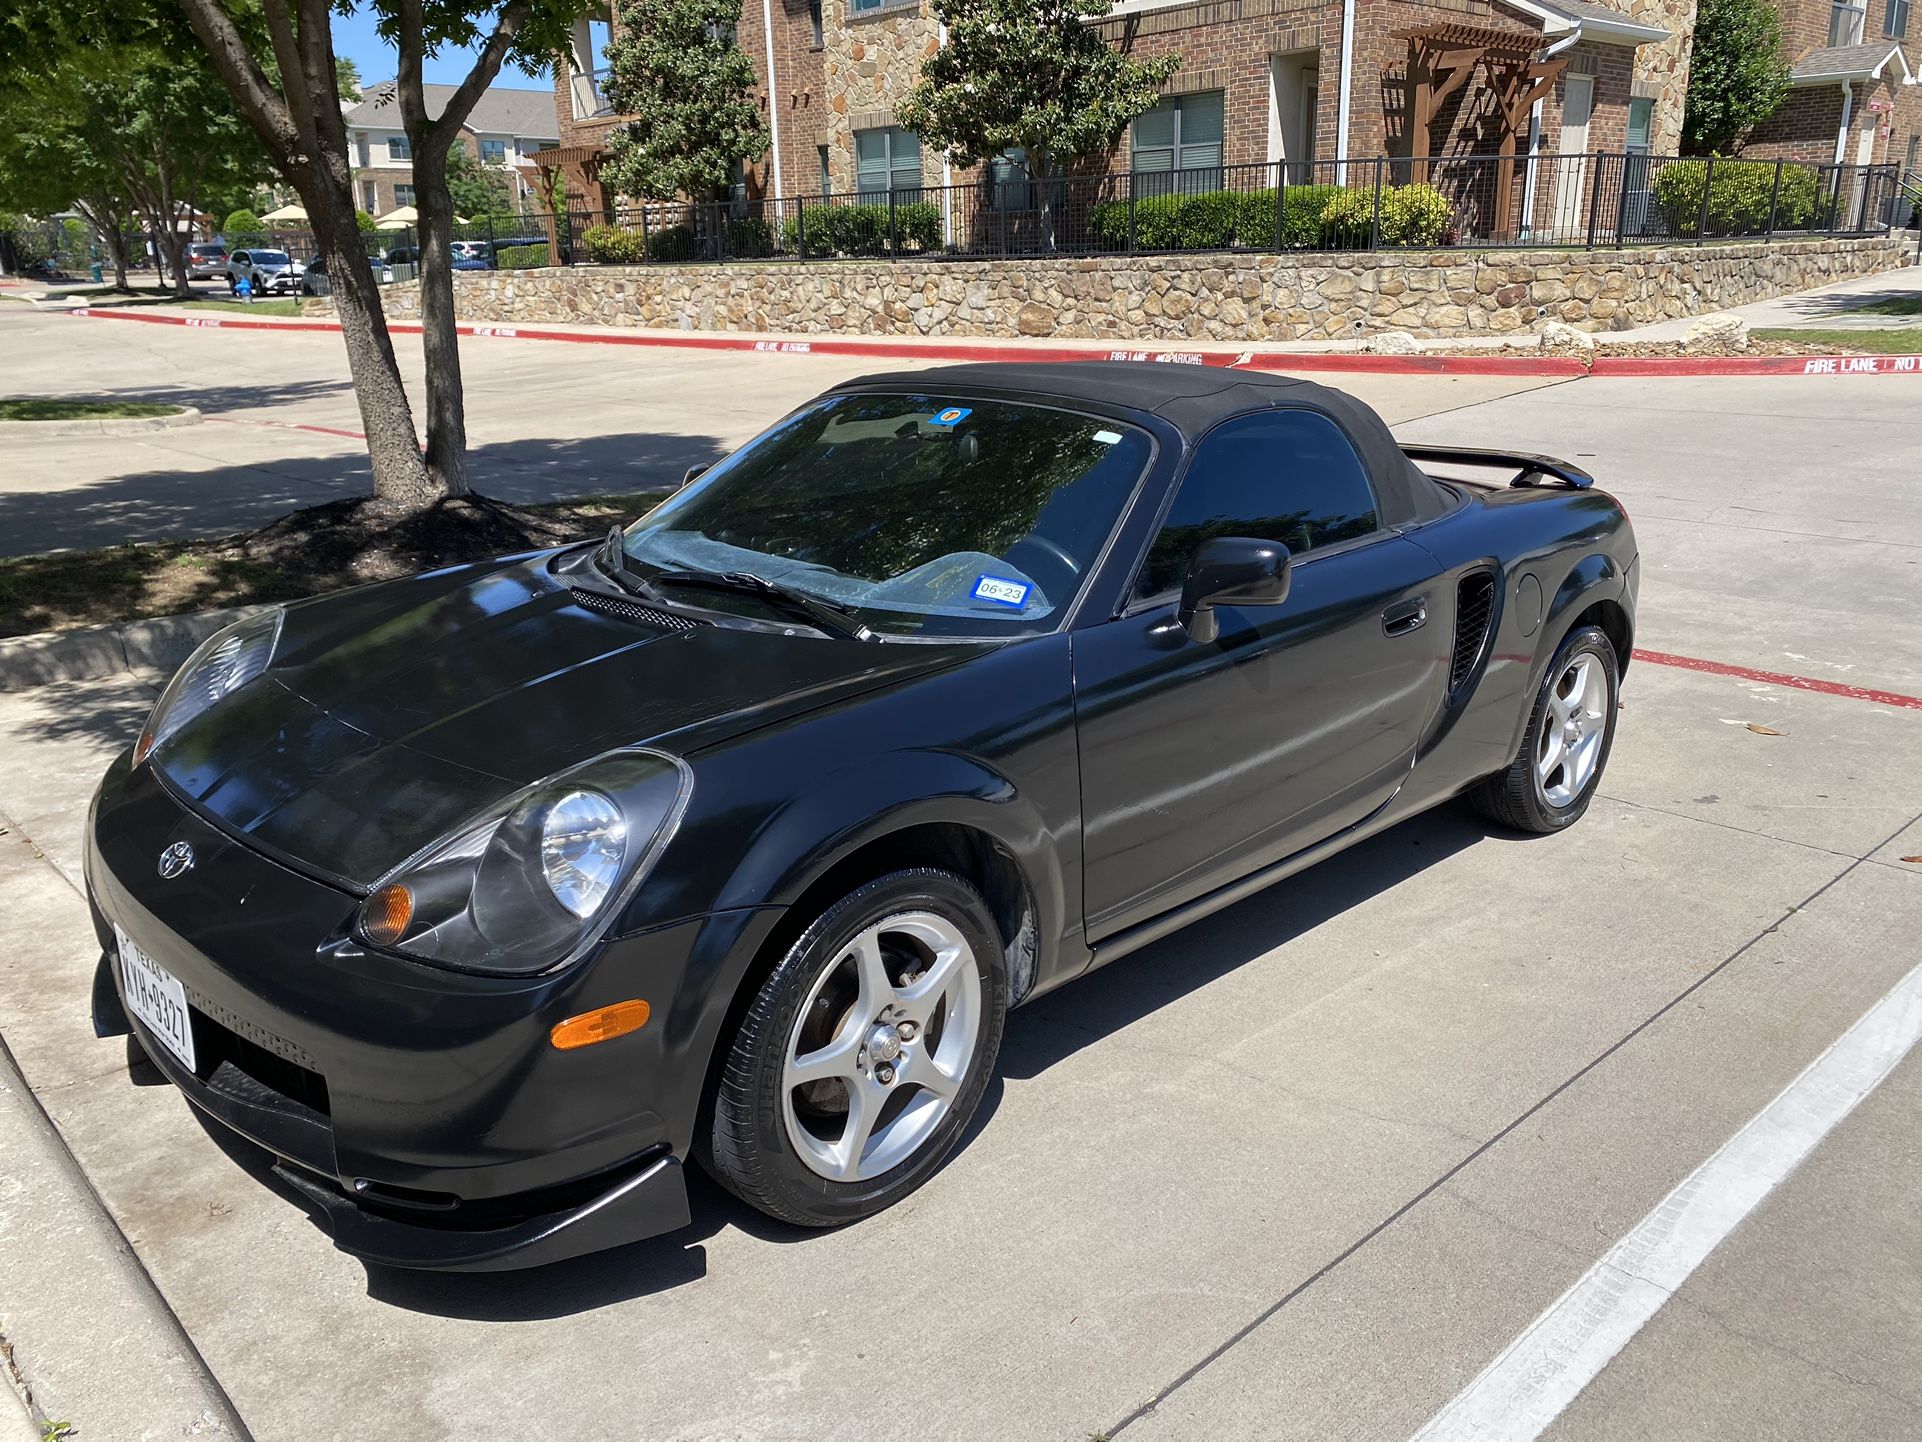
column 1573, row 728
column 882, row 1046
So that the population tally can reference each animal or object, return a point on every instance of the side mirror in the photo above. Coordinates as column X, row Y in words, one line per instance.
column 693, row 474
column 1231, row 571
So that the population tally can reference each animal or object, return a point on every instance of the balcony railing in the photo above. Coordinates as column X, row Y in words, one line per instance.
column 1603, row 199
column 590, row 93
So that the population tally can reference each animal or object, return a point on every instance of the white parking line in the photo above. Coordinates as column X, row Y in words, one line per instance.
column 1524, row 1389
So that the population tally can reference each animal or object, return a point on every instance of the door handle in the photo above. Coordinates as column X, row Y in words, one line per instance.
column 1405, row 616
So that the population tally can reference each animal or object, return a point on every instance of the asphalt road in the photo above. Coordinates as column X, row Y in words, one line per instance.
column 1304, row 1170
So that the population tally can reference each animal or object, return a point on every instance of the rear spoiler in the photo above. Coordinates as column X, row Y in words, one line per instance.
column 1529, row 470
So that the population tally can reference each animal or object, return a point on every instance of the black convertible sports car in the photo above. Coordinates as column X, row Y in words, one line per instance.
column 485, row 898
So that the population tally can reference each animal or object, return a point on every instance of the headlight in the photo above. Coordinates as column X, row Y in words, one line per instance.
column 225, row 662
column 532, row 881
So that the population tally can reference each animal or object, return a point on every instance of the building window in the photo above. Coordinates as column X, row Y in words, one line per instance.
column 1182, row 134
column 827, row 171
column 855, row 7
column 1641, row 117
column 887, row 159
column 493, row 152
column 1896, row 24
column 369, row 197
column 1845, row 22
column 814, row 20
column 403, row 195
column 398, row 148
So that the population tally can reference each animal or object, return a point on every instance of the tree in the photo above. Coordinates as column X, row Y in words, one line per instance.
column 48, row 163
column 284, row 76
column 678, row 67
column 476, row 190
column 346, row 78
column 242, row 222
column 1737, row 76
column 1033, row 77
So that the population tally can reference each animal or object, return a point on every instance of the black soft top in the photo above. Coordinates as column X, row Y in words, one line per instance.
column 1193, row 399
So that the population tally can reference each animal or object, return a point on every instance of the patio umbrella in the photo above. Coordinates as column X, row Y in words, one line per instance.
column 285, row 213
column 399, row 219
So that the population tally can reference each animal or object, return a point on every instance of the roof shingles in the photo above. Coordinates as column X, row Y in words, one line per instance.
column 499, row 111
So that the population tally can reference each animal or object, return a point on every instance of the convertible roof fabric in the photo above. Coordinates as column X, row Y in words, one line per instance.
column 1193, row 399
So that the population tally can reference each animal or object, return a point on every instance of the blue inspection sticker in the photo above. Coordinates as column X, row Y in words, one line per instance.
column 1000, row 591
column 948, row 419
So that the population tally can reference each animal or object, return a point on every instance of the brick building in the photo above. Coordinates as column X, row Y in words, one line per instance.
column 1307, row 82
column 504, row 130
column 1854, row 97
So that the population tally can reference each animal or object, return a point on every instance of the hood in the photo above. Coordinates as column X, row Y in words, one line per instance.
column 392, row 713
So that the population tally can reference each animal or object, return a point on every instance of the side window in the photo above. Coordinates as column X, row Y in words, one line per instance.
column 1288, row 476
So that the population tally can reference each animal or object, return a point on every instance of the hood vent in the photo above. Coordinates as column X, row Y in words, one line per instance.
column 632, row 610
column 1474, row 609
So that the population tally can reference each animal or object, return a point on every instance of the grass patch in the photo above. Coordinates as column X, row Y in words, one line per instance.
column 322, row 548
column 1890, row 305
column 258, row 307
column 35, row 408
column 1907, row 341
column 289, row 305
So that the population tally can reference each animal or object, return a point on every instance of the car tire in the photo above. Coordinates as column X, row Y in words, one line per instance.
column 1571, row 731
column 912, row 1023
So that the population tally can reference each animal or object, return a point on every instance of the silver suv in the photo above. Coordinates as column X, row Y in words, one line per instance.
column 206, row 261
column 268, row 271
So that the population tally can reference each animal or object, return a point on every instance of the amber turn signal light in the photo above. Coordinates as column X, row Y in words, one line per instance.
column 602, row 1024
column 384, row 919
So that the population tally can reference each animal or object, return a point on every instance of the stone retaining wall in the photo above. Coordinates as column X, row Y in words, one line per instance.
column 1156, row 299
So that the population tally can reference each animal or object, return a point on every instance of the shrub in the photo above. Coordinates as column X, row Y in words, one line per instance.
column 861, row 228
column 1738, row 197
column 243, row 222
column 1301, row 208
column 366, row 223
column 1348, row 219
column 613, row 245
column 1206, row 221
column 1414, row 215
column 750, row 238
column 521, row 257
column 670, row 243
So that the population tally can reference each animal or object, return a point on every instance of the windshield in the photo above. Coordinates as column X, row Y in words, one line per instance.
column 268, row 257
column 933, row 515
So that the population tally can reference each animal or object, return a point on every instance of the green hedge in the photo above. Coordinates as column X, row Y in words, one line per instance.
column 611, row 245
column 521, row 257
column 861, row 228
column 1738, row 197
column 1311, row 216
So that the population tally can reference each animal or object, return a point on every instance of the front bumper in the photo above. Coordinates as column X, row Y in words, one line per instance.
column 421, row 1112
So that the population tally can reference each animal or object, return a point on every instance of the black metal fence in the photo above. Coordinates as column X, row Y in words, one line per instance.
column 1482, row 201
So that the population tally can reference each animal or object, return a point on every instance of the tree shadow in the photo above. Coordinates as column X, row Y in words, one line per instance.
column 175, row 503
column 1905, row 303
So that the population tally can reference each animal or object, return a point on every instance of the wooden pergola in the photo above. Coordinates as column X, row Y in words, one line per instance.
column 1442, row 58
column 581, row 164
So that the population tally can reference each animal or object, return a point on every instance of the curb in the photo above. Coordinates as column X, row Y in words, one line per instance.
column 92, row 652
column 1342, row 363
column 109, row 426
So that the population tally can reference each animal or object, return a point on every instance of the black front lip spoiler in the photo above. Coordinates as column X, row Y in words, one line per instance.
column 649, row 1198
column 646, row 1203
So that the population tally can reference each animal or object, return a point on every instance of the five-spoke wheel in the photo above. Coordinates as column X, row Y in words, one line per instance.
column 864, row 1053
column 1566, row 745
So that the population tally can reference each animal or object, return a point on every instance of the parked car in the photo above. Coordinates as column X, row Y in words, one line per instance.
column 487, row 898
column 313, row 280
column 269, row 271
column 466, row 258
column 402, row 255
column 207, row 260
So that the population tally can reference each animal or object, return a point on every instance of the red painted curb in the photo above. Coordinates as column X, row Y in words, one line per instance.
column 1350, row 364
column 1780, row 678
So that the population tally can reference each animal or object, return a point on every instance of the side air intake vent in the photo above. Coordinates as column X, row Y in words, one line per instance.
column 1474, row 606
column 628, row 610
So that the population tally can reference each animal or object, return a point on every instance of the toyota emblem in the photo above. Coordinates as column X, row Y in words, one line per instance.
column 176, row 860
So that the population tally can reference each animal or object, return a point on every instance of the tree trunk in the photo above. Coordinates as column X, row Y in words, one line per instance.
column 400, row 477
column 446, row 408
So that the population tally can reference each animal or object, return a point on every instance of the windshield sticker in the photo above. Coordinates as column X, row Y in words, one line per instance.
column 948, row 419
column 1108, row 438
column 1001, row 592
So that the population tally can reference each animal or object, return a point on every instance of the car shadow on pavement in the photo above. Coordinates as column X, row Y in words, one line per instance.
column 178, row 503
column 1095, row 1006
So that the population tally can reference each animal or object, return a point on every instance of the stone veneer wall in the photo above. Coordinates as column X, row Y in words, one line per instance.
column 1164, row 299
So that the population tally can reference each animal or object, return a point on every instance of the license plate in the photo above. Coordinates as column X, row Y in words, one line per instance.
column 157, row 998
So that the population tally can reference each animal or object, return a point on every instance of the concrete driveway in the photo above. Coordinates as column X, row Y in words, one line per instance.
column 1302, row 1170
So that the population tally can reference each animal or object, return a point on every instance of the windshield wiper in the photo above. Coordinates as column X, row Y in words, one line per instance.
column 819, row 612
column 610, row 559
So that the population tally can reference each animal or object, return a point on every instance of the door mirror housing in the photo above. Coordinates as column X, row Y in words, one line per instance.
column 693, row 474
column 1231, row 571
